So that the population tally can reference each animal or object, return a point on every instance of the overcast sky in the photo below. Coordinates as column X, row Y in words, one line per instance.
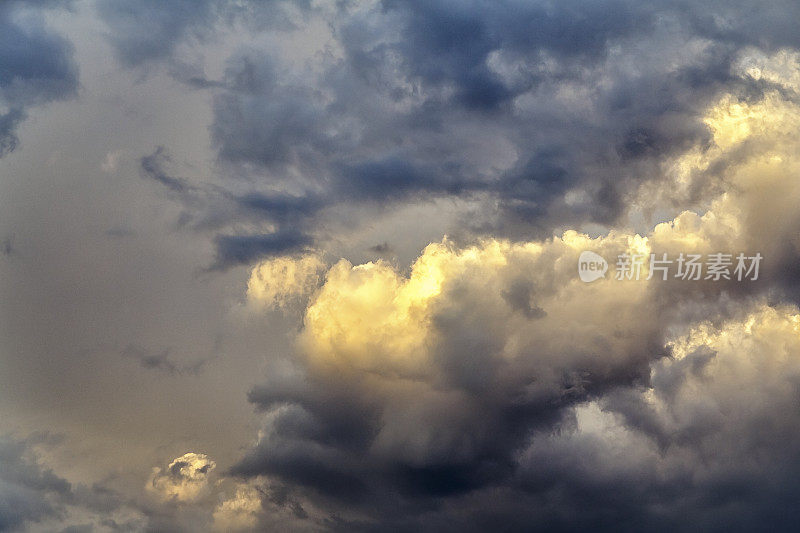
column 312, row 265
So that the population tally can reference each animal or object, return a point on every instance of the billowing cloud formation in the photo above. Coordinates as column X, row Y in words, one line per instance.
column 710, row 442
column 36, row 65
column 433, row 382
column 482, row 383
column 184, row 480
column 491, row 382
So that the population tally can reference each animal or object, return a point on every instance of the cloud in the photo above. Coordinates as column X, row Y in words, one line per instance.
column 33, row 496
column 153, row 167
column 8, row 125
column 463, row 408
column 241, row 512
column 26, row 486
column 544, row 116
column 436, row 379
column 420, row 108
column 211, row 207
column 185, row 480
column 36, row 66
column 489, row 374
column 709, row 442
column 151, row 30
column 483, row 383
column 244, row 249
column 552, row 117
column 281, row 281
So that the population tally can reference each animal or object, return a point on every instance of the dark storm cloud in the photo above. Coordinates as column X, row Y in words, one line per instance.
column 394, row 443
column 421, row 83
column 480, row 433
column 31, row 493
column 151, row 29
column 25, row 486
column 212, row 208
column 246, row 249
column 406, row 113
column 705, row 459
column 447, row 42
column 323, row 441
column 36, row 65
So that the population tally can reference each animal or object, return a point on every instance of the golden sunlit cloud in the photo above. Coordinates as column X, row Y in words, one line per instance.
column 184, row 480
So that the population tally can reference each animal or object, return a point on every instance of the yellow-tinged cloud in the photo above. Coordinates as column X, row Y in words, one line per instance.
column 749, row 139
column 184, row 480
column 731, row 382
column 279, row 282
column 240, row 512
column 770, row 335
column 457, row 362
column 373, row 318
column 524, row 300
column 781, row 68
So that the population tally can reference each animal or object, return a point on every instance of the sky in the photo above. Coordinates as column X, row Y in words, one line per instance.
column 321, row 265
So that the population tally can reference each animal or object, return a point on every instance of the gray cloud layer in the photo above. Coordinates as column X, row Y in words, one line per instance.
column 581, row 103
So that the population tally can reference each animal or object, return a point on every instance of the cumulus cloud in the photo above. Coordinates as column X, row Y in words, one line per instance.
column 186, row 479
column 433, row 399
column 709, row 442
column 430, row 384
column 484, row 383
